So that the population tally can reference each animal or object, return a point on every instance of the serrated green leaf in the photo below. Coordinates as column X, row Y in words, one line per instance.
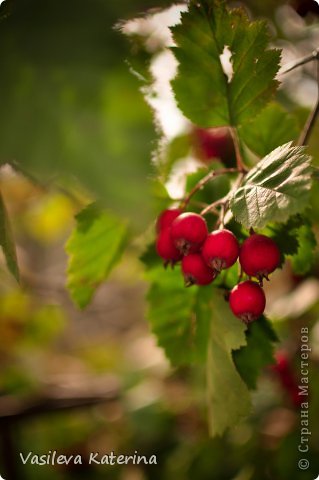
column 285, row 236
column 271, row 128
column 179, row 316
column 94, row 248
column 228, row 396
column 7, row 241
column 303, row 260
column 251, row 359
column 275, row 189
column 202, row 90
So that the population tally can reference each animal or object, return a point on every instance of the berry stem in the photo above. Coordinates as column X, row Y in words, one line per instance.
column 212, row 174
column 239, row 161
column 311, row 120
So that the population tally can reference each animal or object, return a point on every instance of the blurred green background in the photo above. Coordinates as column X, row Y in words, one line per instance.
column 75, row 126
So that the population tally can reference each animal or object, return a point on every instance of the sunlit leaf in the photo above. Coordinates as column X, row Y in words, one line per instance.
column 94, row 248
column 228, row 396
column 275, row 189
column 204, row 93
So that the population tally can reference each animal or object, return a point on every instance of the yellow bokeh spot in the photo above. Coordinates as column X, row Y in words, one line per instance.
column 49, row 218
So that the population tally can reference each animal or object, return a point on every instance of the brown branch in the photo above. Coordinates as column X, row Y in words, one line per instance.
column 203, row 181
column 311, row 120
column 239, row 160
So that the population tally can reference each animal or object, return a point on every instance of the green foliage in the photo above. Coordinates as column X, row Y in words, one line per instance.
column 228, row 396
column 251, row 359
column 213, row 190
column 65, row 109
column 94, row 248
column 179, row 317
column 284, row 235
column 178, row 148
column 275, row 189
column 271, row 128
column 303, row 260
column 7, row 241
column 203, row 92
column 296, row 241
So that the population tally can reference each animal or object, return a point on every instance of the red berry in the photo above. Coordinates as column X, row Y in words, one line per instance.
column 189, row 231
column 247, row 301
column 166, row 248
column 214, row 143
column 196, row 271
column 259, row 256
column 221, row 249
column 166, row 218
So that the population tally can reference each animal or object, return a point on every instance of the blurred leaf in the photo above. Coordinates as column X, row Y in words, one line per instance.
column 7, row 241
column 94, row 248
column 251, row 359
column 276, row 188
column 160, row 195
column 206, row 29
column 271, row 128
column 303, row 260
column 178, row 148
column 179, row 316
column 228, row 396
column 65, row 109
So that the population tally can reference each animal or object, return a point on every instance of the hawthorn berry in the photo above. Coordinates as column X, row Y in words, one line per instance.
column 259, row 256
column 214, row 143
column 166, row 248
column 195, row 270
column 189, row 231
column 247, row 301
column 220, row 250
column 166, row 218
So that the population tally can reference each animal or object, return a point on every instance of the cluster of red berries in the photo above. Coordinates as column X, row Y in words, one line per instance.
column 184, row 237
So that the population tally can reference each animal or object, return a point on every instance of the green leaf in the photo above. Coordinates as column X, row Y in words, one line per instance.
column 304, row 259
column 251, row 359
column 217, row 188
column 178, row 148
column 94, row 247
column 7, row 241
column 285, row 236
column 275, row 189
column 228, row 396
column 271, row 128
column 179, row 316
column 202, row 90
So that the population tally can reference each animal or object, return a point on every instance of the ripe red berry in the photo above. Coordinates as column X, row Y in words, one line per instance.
column 247, row 301
column 259, row 256
column 166, row 248
column 189, row 231
column 196, row 271
column 166, row 218
column 220, row 250
column 214, row 143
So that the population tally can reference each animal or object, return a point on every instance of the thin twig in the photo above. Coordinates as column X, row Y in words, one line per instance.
column 213, row 205
column 306, row 132
column 302, row 61
column 203, row 181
